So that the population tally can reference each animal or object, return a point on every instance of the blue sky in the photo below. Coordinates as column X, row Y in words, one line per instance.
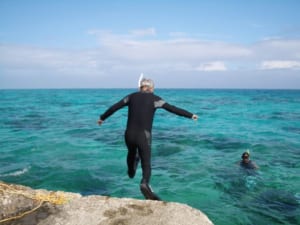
column 179, row 44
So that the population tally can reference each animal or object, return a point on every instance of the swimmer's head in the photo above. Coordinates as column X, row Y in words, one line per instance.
column 146, row 82
column 245, row 155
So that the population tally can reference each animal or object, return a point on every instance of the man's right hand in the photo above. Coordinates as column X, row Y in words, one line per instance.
column 100, row 122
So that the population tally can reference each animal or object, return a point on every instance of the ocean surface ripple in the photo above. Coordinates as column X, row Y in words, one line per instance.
column 50, row 139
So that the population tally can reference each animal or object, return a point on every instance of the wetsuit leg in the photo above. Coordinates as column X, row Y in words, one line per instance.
column 132, row 155
column 139, row 141
column 148, row 192
column 145, row 154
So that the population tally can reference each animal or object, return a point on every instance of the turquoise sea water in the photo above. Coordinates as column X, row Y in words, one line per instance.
column 50, row 139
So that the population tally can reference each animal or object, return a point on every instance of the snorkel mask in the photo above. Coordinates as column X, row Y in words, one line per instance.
column 246, row 154
column 145, row 82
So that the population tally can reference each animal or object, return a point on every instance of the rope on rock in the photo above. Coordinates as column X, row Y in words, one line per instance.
column 52, row 197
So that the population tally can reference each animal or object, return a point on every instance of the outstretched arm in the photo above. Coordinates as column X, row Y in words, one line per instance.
column 179, row 111
column 112, row 110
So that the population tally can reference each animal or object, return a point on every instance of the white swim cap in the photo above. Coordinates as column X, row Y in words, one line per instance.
column 146, row 82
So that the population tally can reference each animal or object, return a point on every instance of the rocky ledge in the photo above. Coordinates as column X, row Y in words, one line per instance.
column 26, row 206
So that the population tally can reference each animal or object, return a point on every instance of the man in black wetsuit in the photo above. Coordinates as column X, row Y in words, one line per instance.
column 141, row 109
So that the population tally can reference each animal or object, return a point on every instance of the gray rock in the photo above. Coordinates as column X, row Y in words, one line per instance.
column 91, row 210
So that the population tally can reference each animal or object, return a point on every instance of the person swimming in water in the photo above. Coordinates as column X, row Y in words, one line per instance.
column 246, row 162
column 138, row 135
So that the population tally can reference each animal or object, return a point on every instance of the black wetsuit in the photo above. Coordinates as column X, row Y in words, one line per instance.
column 141, row 110
column 249, row 165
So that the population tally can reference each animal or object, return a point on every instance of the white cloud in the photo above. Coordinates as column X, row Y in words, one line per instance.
column 43, row 60
column 129, row 47
column 277, row 49
column 280, row 64
column 143, row 32
column 129, row 52
column 139, row 51
column 212, row 66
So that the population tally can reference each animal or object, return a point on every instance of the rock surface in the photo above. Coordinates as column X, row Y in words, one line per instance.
column 41, row 207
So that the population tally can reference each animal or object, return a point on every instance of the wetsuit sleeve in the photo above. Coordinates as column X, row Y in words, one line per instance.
column 114, row 108
column 176, row 110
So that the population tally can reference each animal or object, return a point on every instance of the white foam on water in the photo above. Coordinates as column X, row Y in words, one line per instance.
column 16, row 173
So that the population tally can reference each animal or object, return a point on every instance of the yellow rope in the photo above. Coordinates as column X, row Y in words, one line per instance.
column 52, row 197
column 23, row 214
